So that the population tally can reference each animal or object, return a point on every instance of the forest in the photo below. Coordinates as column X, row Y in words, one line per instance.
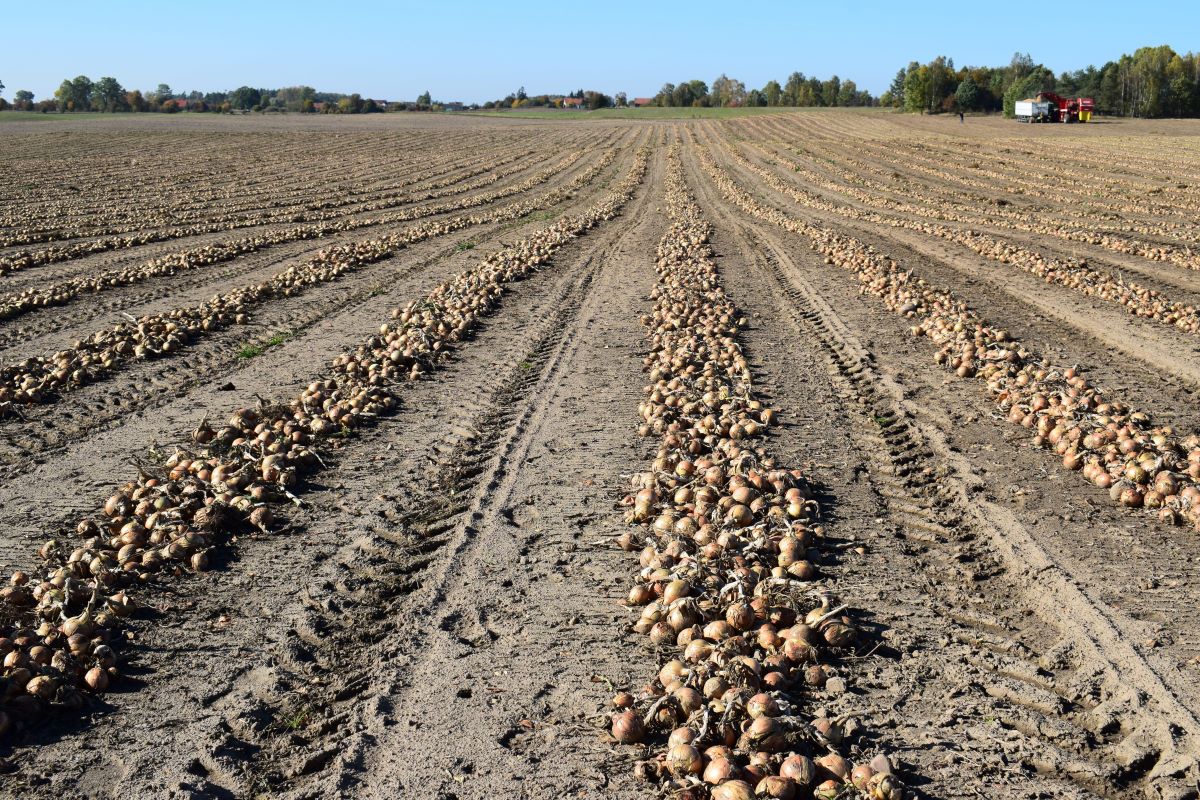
column 1153, row 82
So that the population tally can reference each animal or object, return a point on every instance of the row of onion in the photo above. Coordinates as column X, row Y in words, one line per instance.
column 1049, row 178
column 727, row 590
column 41, row 379
column 1114, row 446
column 1090, row 224
column 143, row 231
column 60, row 292
column 1072, row 273
column 59, row 624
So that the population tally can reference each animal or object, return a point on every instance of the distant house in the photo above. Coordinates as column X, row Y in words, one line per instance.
column 319, row 106
column 454, row 106
column 642, row 102
column 180, row 102
column 572, row 102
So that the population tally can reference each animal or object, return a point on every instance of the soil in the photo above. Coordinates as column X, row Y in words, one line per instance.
column 443, row 616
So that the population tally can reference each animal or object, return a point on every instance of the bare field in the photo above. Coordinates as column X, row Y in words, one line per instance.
column 829, row 454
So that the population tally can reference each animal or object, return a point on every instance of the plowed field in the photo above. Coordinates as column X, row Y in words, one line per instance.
column 818, row 454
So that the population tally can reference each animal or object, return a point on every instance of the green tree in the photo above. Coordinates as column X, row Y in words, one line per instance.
column 108, row 95
column 163, row 92
column 848, row 94
column 772, row 92
column 1040, row 80
column 916, row 88
column 23, row 100
column 896, row 90
column 727, row 91
column 244, row 97
column 792, row 89
column 74, row 95
column 967, row 94
column 425, row 100
column 293, row 98
column 830, row 90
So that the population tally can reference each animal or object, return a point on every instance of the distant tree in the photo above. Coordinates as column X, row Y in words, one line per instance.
column 727, row 91
column 595, row 100
column 23, row 100
column 425, row 100
column 1040, row 80
column 621, row 99
column 351, row 105
column 663, row 98
column 108, row 95
column 522, row 96
column 792, row 89
column 292, row 97
column 773, row 92
column 134, row 101
column 848, row 94
column 966, row 96
column 755, row 98
column 896, row 90
column 683, row 95
column 74, row 95
column 163, row 92
column 244, row 97
column 830, row 90
column 370, row 107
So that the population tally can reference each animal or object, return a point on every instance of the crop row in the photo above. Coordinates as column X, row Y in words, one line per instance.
column 727, row 590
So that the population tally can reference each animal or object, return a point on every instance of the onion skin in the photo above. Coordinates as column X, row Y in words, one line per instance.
column 627, row 727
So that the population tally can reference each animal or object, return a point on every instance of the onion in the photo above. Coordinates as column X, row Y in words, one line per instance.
column 733, row 790
column 627, row 727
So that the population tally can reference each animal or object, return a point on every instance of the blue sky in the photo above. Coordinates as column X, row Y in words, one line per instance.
column 473, row 51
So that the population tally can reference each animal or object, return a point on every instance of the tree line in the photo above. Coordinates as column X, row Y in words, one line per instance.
column 796, row 91
column 589, row 99
column 107, row 94
column 1153, row 82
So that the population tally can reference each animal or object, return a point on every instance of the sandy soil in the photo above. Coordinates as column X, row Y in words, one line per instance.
column 443, row 616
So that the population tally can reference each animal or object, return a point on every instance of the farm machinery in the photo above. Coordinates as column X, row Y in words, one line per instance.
column 1050, row 107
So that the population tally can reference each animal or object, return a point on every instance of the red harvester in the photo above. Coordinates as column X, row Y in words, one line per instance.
column 1076, row 109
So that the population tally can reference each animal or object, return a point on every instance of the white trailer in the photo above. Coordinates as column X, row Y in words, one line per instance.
column 1033, row 111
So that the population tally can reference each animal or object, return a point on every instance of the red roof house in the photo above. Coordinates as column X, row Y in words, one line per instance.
column 641, row 102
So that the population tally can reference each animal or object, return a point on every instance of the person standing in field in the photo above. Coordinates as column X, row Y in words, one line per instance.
column 960, row 118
